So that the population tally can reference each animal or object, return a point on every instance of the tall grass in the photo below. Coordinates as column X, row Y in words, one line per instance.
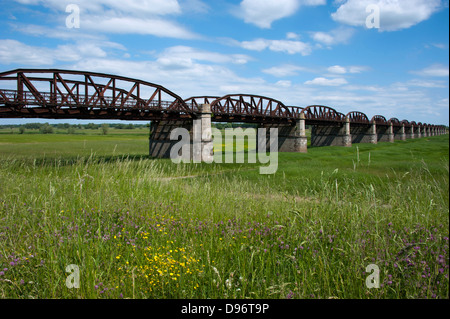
column 143, row 228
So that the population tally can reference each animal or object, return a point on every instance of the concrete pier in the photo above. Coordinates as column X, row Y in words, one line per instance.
column 331, row 135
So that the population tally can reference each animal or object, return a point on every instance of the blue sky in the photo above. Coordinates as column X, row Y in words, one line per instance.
column 301, row 52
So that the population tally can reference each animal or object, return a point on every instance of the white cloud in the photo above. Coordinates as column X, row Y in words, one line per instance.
column 15, row 52
column 185, row 56
column 131, row 25
column 284, row 83
column 327, row 82
column 292, row 36
column 427, row 84
column 394, row 14
column 336, row 36
column 263, row 13
column 126, row 17
column 437, row 70
column 287, row 46
column 337, row 69
column 140, row 7
column 284, row 70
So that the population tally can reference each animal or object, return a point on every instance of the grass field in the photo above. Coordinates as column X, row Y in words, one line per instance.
column 144, row 228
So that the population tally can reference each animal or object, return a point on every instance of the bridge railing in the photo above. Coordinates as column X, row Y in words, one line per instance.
column 27, row 99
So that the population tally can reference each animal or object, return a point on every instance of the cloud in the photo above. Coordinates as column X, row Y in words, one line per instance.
column 127, row 17
column 394, row 14
column 327, row 82
column 336, row 36
column 337, row 69
column 287, row 46
column 263, row 13
column 134, row 7
column 427, row 84
column 184, row 56
column 129, row 25
column 437, row 70
column 15, row 52
column 284, row 70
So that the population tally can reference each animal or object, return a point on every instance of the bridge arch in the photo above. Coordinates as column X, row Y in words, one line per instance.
column 322, row 113
column 379, row 119
column 395, row 121
column 250, row 105
column 406, row 122
column 80, row 94
column 358, row 117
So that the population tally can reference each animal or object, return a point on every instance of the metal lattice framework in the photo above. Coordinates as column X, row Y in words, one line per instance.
column 406, row 123
column 379, row 120
column 54, row 93
column 196, row 101
column 74, row 94
column 358, row 118
column 395, row 121
column 251, row 106
column 320, row 113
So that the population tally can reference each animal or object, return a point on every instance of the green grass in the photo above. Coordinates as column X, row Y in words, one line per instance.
column 145, row 228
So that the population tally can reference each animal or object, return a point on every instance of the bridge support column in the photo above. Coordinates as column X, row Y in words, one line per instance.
column 364, row 133
column 303, row 139
column 391, row 133
column 331, row 135
column 291, row 138
column 347, row 134
column 411, row 132
column 400, row 133
column 373, row 133
column 199, row 135
column 202, row 128
column 418, row 132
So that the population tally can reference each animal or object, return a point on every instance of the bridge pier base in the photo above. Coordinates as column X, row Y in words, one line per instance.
column 364, row 133
column 291, row 138
column 199, row 137
column 399, row 133
column 410, row 132
column 331, row 135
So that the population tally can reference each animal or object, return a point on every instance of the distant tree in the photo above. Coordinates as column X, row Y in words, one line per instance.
column 71, row 130
column 105, row 128
column 21, row 129
column 46, row 129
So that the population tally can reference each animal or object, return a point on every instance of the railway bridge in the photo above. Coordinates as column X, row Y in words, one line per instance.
column 69, row 94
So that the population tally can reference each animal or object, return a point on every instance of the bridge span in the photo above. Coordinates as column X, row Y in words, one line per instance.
column 69, row 94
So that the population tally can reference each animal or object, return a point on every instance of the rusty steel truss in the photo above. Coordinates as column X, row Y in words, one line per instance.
column 75, row 94
column 322, row 114
column 58, row 94
column 358, row 118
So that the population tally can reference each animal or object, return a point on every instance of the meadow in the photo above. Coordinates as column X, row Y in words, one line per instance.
column 138, row 227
